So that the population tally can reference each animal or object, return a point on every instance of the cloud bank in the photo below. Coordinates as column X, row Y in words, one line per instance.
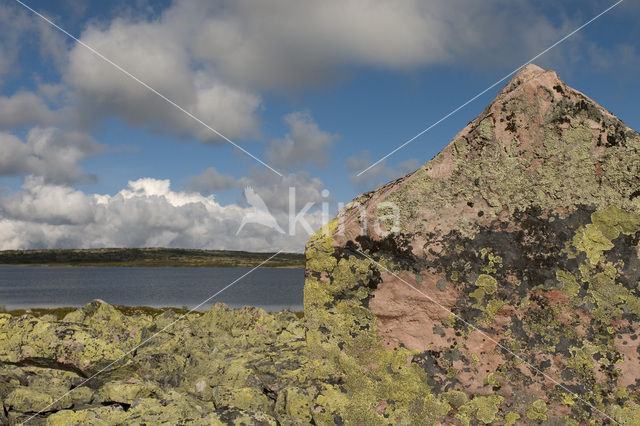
column 147, row 213
column 49, row 153
column 305, row 144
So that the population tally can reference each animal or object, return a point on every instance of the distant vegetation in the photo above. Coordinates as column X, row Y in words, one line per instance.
column 149, row 257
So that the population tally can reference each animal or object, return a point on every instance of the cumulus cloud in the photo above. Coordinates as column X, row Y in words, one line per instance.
column 146, row 213
column 24, row 108
column 288, row 44
column 48, row 152
column 273, row 189
column 157, row 53
column 20, row 30
column 49, row 204
column 216, row 58
column 15, row 25
column 380, row 173
column 304, row 144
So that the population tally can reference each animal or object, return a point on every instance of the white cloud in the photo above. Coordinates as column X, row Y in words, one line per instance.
column 52, row 44
column 157, row 54
column 49, row 204
column 146, row 213
column 216, row 58
column 24, row 108
column 289, row 44
column 21, row 30
column 304, row 144
column 48, row 152
column 274, row 189
column 14, row 26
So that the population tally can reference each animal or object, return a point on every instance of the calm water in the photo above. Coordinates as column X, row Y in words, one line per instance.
column 47, row 287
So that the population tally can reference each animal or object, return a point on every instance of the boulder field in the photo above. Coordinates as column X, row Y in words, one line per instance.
column 497, row 284
column 223, row 366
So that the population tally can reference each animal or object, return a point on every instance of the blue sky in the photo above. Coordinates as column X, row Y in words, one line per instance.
column 318, row 90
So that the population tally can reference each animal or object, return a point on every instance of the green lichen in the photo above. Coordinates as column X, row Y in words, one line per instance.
column 481, row 408
column 534, row 191
column 597, row 274
column 485, row 285
column 222, row 366
column 565, row 161
column 537, row 410
column 511, row 418
column 101, row 415
column 455, row 398
column 485, row 129
column 295, row 405
column 592, row 241
column 627, row 415
column 343, row 338
column 491, row 380
column 493, row 262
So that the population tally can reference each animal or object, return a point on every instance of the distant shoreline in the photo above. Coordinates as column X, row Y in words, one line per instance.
column 148, row 257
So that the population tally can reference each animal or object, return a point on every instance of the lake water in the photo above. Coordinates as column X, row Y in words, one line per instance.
column 272, row 289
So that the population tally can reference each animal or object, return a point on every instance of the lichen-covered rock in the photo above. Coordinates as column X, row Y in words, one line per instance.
column 99, row 416
column 509, row 275
column 223, row 366
column 294, row 406
column 73, row 346
column 28, row 400
column 125, row 392
column 3, row 418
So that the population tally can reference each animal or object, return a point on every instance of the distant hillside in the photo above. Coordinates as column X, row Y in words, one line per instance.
column 149, row 257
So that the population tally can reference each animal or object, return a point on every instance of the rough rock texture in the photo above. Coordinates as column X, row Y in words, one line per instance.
column 223, row 366
column 508, row 291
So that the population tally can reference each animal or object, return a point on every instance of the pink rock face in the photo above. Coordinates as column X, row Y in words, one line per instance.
column 515, row 263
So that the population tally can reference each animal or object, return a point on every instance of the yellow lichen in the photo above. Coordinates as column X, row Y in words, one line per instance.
column 537, row 410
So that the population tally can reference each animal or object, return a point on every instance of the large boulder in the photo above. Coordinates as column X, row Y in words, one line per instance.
column 499, row 282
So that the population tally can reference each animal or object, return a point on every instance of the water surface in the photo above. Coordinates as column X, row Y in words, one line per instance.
column 272, row 289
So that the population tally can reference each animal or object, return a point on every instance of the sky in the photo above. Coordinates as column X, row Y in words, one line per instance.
column 139, row 147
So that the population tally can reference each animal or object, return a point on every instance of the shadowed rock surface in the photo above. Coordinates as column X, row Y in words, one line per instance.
column 508, row 291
